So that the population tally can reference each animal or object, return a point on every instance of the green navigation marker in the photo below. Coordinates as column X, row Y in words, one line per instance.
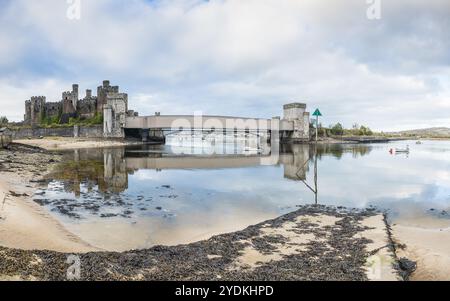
column 317, row 113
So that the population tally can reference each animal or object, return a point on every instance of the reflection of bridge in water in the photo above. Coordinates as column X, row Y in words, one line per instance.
column 109, row 168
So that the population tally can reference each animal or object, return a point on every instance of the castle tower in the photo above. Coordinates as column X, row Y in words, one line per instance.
column 75, row 95
column 27, row 116
column 37, row 109
column 102, row 94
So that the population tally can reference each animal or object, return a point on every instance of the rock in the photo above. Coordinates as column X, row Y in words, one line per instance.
column 407, row 265
column 38, row 181
column 15, row 194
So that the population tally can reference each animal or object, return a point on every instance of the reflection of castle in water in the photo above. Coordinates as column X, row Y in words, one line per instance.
column 108, row 169
column 101, row 168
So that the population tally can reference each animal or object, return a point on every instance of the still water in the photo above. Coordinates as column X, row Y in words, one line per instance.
column 137, row 197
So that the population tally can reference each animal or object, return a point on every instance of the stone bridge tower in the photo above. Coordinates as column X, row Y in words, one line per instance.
column 296, row 114
column 114, row 115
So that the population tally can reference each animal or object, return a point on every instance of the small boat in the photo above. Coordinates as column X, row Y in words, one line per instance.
column 399, row 150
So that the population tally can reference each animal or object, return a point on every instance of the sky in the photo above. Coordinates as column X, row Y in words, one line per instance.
column 236, row 57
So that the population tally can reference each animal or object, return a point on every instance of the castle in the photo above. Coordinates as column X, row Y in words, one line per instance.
column 37, row 110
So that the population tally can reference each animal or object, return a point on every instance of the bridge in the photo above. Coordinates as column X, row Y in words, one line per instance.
column 294, row 126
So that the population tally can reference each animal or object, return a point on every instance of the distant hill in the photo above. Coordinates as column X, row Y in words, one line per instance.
column 429, row 132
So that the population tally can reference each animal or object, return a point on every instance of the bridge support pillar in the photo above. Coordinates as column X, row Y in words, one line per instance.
column 145, row 135
column 157, row 135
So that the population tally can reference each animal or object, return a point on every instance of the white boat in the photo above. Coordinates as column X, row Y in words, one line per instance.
column 400, row 150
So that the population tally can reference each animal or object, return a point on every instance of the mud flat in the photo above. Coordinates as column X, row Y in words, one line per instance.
column 62, row 143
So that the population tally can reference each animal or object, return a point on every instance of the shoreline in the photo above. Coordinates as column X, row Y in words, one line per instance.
column 427, row 242
column 65, row 143
column 23, row 223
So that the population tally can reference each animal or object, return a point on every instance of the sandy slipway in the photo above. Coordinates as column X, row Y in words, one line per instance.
column 312, row 243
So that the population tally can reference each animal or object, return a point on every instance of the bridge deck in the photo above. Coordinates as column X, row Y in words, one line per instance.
column 203, row 122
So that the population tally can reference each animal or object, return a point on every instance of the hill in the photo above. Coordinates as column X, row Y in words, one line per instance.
column 435, row 132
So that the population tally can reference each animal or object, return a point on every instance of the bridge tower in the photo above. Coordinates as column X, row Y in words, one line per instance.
column 296, row 114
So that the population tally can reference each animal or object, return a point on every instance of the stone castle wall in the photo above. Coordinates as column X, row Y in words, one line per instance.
column 70, row 105
column 34, row 109
column 102, row 94
column 53, row 109
column 82, row 131
column 87, row 107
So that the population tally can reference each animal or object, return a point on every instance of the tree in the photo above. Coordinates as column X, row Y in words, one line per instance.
column 3, row 121
column 337, row 129
column 365, row 131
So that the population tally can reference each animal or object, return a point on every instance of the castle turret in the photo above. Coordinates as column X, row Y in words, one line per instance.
column 75, row 95
column 36, row 107
column 102, row 94
column 87, row 107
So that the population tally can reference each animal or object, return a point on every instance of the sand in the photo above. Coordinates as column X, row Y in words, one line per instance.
column 379, row 266
column 23, row 223
column 427, row 241
column 62, row 143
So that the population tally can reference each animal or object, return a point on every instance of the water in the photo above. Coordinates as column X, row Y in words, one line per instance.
column 129, row 198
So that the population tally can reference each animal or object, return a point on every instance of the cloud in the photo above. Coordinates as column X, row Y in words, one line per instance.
column 233, row 57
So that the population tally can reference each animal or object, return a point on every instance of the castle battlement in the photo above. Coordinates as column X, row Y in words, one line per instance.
column 71, row 105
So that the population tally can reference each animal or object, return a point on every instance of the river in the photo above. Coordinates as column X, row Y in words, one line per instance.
column 141, row 196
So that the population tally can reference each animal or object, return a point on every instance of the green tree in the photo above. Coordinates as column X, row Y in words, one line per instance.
column 365, row 131
column 337, row 129
column 3, row 121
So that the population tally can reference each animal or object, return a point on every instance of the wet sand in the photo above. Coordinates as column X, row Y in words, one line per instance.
column 62, row 143
column 23, row 223
column 426, row 241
